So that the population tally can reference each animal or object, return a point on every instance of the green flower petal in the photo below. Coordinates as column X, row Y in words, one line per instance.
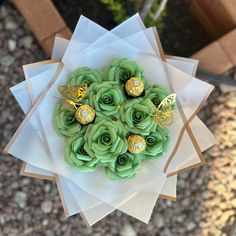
column 103, row 130
column 123, row 69
column 156, row 94
column 136, row 114
column 125, row 167
column 106, row 98
column 159, row 145
column 84, row 75
column 76, row 155
column 65, row 122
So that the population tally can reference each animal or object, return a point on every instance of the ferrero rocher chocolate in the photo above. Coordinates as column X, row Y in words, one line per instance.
column 85, row 114
column 134, row 87
column 136, row 143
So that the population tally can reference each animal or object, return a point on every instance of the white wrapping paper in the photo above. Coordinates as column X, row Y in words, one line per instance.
column 83, row 50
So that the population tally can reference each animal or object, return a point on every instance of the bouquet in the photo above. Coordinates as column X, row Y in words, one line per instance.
column 111, row 119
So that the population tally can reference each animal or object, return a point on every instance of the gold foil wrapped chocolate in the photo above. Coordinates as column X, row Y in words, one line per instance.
column 85, row 114
column 136, row 144
column 134, row 87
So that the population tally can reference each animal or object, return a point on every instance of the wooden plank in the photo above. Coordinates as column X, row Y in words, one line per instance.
column 44, row 20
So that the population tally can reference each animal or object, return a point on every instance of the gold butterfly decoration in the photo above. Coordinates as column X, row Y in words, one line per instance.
column 72, row 95
column 164, row 113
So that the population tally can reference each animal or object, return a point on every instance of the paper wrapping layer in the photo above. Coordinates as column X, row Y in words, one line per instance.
column 89, row 50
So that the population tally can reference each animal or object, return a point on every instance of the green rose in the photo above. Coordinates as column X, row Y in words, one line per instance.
column 84, row 75
column 156, row 143
column 137, row 116
column 125, row 167
column 123, row 69
column 105, row 140
column 106, row 98
column 77, row 156
column 156, row 94
column 65, row 122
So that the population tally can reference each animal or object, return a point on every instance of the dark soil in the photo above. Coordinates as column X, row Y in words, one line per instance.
column 182, row 34
column 93, row 9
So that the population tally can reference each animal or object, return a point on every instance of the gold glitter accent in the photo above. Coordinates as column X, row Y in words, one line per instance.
column 164, row 114
column 85, row 114
column 72, row 95
column 134, row 87
column 136, row 143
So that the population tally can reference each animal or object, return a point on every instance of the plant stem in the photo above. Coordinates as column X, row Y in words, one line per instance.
column 160, row 9
column 145, row 9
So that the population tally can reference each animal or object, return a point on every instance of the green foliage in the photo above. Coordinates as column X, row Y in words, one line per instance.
column 120, row 14
column 149, row 21
column 137, row 4
column 117, row 9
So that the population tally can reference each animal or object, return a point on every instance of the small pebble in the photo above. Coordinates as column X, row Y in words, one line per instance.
column 47, row 188
column 191, row 226
column 128, row 230
column 11, row 45
column 28, row 231
column 27, row 42
column 2, row 220
column 10, row 25
column 45, row 222
column 3, row 11
column 159, row 220
column 7, row 60
column 25, row 181
column 49, row 232
column 46, row 206
column 21, row 199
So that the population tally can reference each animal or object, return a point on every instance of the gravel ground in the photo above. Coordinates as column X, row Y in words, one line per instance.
column 206, row 196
